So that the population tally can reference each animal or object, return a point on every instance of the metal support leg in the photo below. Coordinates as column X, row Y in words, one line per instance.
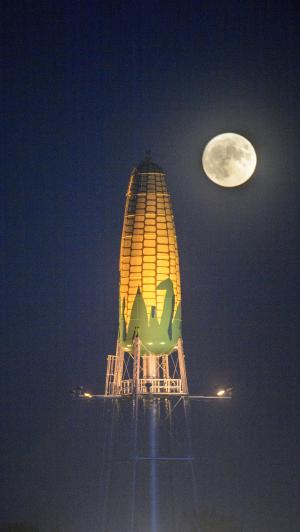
column 118, row 373
column 165, row 366
column 110, row 372
column 181, row 361
column 136, row 364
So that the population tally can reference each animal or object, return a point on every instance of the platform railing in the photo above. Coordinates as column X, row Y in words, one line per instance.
column 163, row 386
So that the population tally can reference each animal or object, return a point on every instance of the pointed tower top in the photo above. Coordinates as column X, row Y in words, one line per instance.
column 148, row 166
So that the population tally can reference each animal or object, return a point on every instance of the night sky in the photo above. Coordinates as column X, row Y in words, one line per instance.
column 86, row 89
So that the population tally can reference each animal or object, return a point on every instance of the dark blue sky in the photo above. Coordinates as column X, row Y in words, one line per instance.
column 86, row 88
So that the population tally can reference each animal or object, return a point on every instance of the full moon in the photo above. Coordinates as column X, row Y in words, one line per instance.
column 229, row 160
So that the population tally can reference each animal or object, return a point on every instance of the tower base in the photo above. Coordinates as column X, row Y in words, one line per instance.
column 130, row 373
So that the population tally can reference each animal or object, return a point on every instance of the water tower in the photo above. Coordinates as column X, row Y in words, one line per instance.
column 149, row 354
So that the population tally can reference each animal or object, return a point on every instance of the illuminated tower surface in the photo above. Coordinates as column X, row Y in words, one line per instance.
column 149, row 351
column 150, row 294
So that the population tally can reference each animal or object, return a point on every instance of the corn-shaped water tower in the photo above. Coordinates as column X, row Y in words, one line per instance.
column 149, row 354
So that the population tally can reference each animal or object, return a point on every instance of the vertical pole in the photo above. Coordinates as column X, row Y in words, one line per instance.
column 165, row 366
column 110, row 369
column 136, row 364
column 118, row 370
column 107, row 376
column 182, row 369
column 166, row 373
column 153, row 447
